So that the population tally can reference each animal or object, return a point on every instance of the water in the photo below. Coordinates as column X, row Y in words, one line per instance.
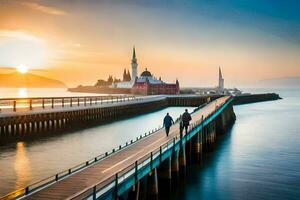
column 258, row 159
column 23, row 163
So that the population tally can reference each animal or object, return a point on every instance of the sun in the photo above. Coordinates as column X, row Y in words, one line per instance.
column 22, row 69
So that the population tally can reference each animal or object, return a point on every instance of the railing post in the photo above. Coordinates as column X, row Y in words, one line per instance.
column 63, row 102
column 94, row 193
column 26, row 190
column 30, row 104
column 15, row 106
column 135, row 171
column 52, row 103
column 116, row 186
column 84, row 101
column 43, row 103
column 78, row 102
column 151, row 160
column 56, row 177
column 160, row 154
column 91, row 101
column 71, row 102
column 173, row 144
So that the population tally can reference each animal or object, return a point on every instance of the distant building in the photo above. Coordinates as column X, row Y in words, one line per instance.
column 126, row 76
column 128, row 81
column 103, row 83
column 221, row 80
column 134, row 65
column 147, row 84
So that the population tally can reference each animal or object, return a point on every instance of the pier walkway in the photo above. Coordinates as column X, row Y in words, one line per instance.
column 37, row 116
column 103, row 172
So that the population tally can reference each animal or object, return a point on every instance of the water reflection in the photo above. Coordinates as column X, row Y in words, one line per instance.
column 22, row 92
column 21, row 166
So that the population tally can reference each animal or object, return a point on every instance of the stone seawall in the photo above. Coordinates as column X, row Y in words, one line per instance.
column 254, row 98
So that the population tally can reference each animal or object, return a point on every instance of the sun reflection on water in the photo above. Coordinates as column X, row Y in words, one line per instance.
column 22, row 166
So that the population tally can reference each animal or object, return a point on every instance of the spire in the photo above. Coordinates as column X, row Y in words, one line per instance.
column 134, row 65
column 221, row 79
column 220, row 73
column 133, row 56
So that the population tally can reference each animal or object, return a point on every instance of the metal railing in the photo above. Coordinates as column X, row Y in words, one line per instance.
column 14, row 104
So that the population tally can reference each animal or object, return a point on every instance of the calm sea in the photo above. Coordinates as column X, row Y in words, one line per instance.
column 258, row 159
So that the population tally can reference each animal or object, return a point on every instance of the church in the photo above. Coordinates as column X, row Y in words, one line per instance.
column 146, row 83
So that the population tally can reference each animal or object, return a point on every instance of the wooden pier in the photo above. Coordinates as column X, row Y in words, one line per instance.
column 37, row 116
column 144, row 169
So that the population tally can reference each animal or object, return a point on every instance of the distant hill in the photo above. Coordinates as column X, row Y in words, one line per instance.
column 280, row 82
column 17, row 80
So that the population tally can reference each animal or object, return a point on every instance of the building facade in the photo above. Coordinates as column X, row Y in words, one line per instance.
column 147, row 84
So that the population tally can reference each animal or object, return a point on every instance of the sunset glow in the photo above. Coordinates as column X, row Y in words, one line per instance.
column 22, row 69
column 249, row 45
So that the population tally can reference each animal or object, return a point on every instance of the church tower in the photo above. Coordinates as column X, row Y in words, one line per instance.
column 221, row 79
column 134, row 65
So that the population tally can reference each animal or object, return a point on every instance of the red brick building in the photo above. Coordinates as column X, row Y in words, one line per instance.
column 146, row 84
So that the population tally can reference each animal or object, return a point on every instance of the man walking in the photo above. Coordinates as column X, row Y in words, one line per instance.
column 186, row 118
column 168, row 121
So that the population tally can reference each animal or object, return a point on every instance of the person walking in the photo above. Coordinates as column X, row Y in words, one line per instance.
column 186, row 118
column 181, row 126
column 168, row 121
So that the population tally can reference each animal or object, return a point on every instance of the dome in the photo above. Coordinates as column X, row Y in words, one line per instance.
column 146, row 73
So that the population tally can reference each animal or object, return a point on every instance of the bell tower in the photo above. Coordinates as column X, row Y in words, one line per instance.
column 134, row 65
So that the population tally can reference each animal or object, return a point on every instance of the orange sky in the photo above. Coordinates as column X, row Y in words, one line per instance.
column 79, row 43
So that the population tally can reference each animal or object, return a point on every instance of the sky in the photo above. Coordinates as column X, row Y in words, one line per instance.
column 81, row 41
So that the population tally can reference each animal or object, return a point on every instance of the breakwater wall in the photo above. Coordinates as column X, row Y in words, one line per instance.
column 254, row 98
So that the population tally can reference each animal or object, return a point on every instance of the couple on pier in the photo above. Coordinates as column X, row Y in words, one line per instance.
column 184, row 122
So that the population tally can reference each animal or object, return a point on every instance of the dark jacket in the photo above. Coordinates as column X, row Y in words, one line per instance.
column 168, row 121
column 186, row 118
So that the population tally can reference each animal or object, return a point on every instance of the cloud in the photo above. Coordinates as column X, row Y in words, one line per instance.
column 44, row 9
column 18, row 35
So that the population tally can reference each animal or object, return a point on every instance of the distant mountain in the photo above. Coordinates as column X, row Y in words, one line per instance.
column 18, row 80
column 280, row 82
